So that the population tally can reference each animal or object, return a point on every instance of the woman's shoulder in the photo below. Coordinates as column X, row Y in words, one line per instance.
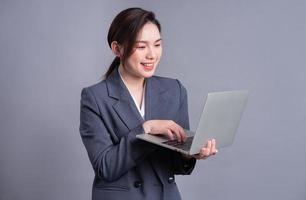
column 99, row 87
column 167, row 83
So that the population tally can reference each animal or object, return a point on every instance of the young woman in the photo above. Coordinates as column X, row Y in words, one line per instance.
column 130, row 101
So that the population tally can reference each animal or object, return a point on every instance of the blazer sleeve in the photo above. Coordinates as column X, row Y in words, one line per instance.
column 183, row 165
column 109, row 160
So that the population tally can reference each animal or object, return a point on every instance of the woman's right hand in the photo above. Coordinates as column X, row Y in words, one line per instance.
column 165, row 127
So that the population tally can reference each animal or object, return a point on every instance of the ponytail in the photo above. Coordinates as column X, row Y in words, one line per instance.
column 112, row 67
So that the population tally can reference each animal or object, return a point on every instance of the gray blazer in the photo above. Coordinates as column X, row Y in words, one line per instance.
column 125, row 167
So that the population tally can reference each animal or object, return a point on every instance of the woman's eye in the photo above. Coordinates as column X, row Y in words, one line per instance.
column 157, row 45
column 140, row 47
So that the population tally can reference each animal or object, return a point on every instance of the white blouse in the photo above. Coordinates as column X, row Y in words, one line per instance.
column 141, row 108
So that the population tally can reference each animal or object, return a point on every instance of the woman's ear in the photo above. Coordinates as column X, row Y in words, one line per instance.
column 117, row 49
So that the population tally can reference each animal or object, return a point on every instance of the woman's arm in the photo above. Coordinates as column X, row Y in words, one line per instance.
column 110, row 161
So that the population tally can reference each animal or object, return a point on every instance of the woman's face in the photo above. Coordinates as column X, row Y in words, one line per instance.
column 146, row 54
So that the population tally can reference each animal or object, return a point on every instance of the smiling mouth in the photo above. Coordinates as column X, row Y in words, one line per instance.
column 148, row 66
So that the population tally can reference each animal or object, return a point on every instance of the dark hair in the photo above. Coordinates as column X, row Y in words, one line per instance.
column 125, row 28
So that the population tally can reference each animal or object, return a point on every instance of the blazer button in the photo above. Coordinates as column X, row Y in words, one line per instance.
column 170, row 179
column 137, row 184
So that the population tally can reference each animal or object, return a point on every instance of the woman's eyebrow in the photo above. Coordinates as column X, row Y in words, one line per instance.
column 143, row 41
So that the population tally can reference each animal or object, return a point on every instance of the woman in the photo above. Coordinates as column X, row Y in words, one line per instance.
column 131, row 101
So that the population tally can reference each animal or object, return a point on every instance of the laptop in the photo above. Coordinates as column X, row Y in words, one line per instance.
column 220, row 119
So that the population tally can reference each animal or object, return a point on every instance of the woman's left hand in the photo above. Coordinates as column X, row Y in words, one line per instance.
column 208, row 150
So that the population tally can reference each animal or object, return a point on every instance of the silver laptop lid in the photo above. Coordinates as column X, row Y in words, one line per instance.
column 220, row 118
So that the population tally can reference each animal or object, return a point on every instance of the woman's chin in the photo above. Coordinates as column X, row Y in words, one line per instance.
column 148, row 74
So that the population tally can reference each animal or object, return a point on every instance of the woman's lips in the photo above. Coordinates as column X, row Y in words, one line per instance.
column 148, row 66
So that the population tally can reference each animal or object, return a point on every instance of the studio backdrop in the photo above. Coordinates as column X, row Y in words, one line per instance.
column 50, row 50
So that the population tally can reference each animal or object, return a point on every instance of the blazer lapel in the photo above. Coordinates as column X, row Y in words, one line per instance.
column 125, row 106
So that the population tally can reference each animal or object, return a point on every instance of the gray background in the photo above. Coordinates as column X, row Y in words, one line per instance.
column 49, row 50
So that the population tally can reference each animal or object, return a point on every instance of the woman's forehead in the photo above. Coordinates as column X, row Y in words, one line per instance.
column 148, row 33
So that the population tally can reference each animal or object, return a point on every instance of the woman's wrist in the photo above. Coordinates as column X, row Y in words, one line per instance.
column 146, row 127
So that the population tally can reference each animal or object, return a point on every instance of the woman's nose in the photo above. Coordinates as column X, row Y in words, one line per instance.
column 151, row 54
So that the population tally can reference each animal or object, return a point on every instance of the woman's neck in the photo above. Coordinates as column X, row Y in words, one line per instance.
column 133, row 83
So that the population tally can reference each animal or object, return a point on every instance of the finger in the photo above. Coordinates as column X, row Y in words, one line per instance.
column 181, row 131
column 183, row 134
column 213, row 146
column 169, row 134
column 208, row 144
column 175, row 129
column 208, row 148
column 178, row 134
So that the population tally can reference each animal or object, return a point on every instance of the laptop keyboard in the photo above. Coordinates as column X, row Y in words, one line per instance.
column 180, row 145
